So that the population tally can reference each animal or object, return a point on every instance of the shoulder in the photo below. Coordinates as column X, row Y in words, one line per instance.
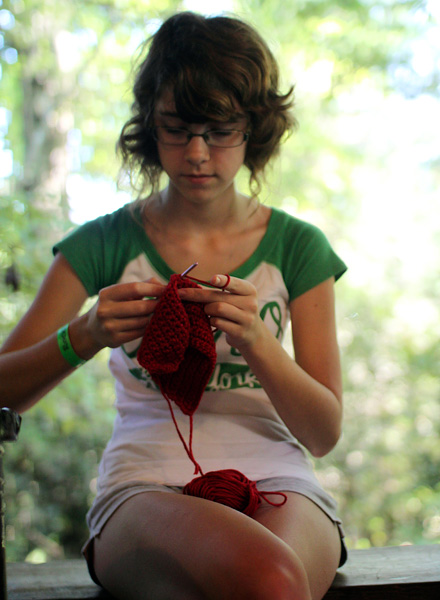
column 116, row 223
column 292, row 226
column 99, row 249
column 291, row 239
column 305, row 253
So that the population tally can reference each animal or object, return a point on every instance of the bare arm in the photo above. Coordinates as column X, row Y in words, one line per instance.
column 30, row 360
column 306, row 392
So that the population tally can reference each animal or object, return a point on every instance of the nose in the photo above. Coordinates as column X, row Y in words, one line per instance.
column 197, row 150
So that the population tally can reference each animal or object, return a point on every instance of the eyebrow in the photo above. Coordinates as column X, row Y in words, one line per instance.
column 168, row 113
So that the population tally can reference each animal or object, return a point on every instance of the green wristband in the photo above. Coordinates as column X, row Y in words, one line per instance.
column 65, row 346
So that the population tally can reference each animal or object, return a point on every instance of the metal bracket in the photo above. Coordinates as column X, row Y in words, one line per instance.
column 10, row 423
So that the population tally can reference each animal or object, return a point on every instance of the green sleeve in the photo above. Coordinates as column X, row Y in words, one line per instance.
column 308, row 258
column 99, row 250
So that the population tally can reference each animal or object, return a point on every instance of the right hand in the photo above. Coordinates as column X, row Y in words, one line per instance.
column 123, row 311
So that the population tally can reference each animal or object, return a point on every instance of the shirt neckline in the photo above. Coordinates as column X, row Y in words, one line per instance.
column 241, row 271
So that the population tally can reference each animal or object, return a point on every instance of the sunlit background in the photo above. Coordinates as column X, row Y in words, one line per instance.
column 364, row 166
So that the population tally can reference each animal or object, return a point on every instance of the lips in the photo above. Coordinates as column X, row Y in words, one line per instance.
column 198, row 178
column 197, row 175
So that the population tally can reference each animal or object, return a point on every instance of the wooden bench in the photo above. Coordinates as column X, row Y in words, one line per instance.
column 401, row 572
column 393, row 573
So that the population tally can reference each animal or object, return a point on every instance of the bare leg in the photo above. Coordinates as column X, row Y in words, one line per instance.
column 311, row 534
column 162, row 546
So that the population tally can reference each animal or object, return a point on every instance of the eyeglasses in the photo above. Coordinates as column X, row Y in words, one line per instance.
column 217, row 138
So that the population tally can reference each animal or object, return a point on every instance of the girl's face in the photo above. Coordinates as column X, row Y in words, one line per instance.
column 197, row 171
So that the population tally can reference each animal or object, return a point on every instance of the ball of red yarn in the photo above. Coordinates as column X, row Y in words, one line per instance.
column 228, row 487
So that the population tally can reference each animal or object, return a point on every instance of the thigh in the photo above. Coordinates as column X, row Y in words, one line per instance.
column 311, row 534
column 162, row 545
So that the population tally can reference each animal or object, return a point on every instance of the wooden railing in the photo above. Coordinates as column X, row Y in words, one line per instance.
column 392, row 573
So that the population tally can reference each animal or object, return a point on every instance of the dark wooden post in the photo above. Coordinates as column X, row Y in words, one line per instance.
column 9, row 427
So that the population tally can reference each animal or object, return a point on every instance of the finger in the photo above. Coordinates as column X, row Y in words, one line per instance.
column 235, row 332
column 234, row 285
column 131, row 291
column 226, row 311
column 154, row 280
column 158, row 285
column 108, row 314
column 226, row 326
column 118, row 326
column 220, row 281
column 122, row 337
column 133, row 308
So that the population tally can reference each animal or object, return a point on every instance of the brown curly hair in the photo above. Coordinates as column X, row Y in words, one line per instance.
column 211, row 64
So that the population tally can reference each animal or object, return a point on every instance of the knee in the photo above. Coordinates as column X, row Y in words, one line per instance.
column 276, row 577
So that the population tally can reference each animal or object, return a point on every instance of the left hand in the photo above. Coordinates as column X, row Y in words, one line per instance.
column 233, row 311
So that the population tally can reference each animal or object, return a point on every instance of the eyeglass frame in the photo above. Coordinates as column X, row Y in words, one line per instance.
column 203, row 135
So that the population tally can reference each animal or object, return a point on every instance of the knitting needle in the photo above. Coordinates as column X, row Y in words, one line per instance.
column 228, row 278
column 189, row 269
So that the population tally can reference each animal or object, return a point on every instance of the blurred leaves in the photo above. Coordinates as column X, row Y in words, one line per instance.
column 363, row 166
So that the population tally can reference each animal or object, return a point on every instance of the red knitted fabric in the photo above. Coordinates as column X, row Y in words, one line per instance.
column 178, row 348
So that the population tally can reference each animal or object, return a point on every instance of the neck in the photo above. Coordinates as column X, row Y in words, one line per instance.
column 188, row 214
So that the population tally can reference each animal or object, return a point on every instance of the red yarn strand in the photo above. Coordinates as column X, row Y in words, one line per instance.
column 188, row 449
column 277, row 504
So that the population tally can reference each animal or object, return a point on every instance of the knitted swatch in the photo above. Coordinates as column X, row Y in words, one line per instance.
column 178, row 350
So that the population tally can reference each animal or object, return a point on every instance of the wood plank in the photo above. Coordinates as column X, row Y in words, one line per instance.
column 56, row 580
column 392, row 573
column 392, row 565
column 417, row 591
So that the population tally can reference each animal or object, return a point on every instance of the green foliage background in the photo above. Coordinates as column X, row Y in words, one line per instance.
column 354, row 64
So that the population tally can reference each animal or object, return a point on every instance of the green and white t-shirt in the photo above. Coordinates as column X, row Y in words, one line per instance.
column 236, row 425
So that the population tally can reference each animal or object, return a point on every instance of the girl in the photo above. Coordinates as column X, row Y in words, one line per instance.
column 206, row 103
